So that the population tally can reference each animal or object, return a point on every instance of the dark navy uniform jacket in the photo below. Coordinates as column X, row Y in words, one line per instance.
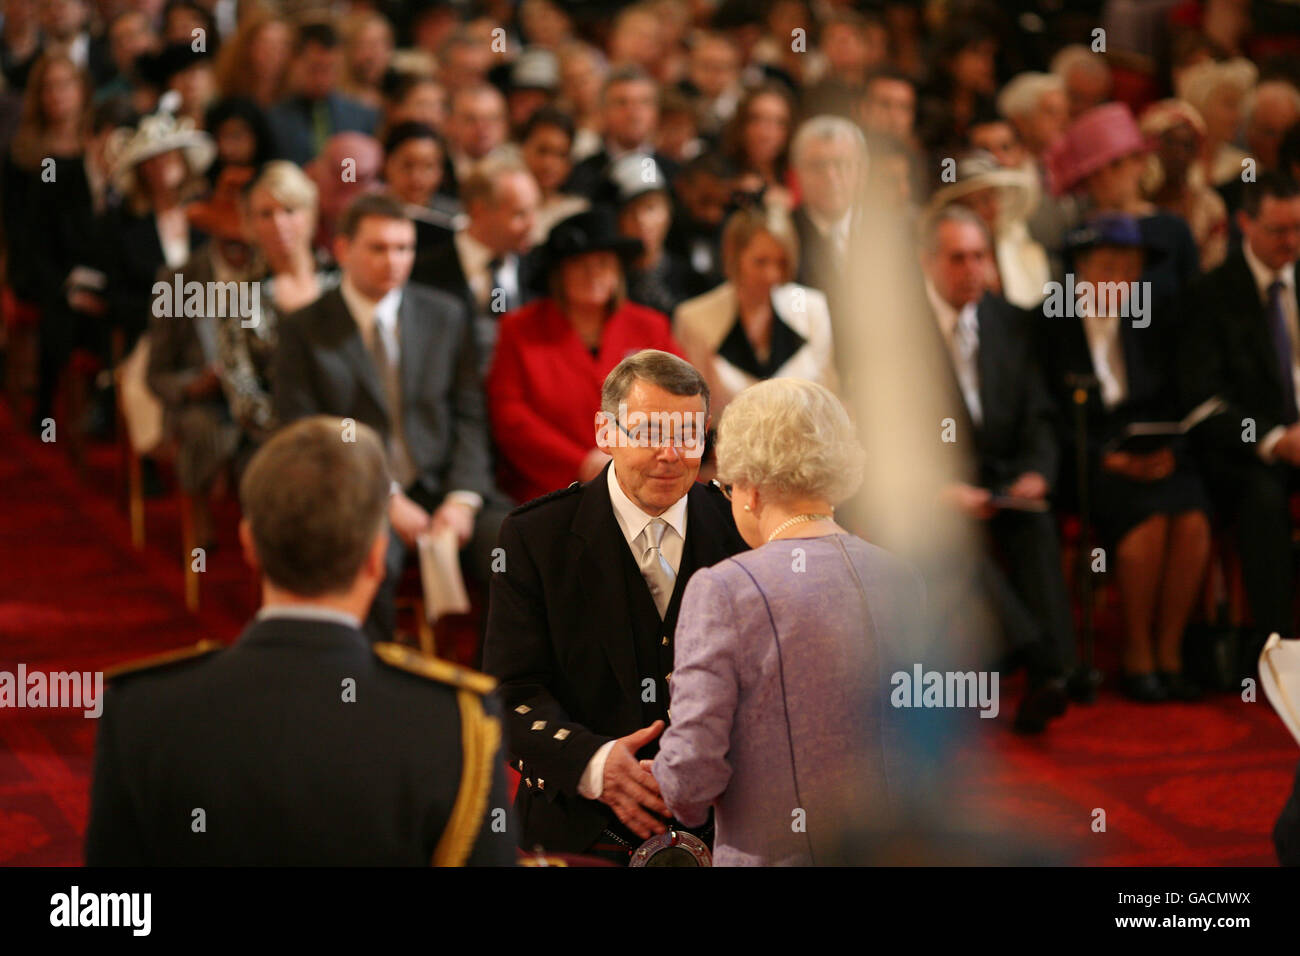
column 301, row 744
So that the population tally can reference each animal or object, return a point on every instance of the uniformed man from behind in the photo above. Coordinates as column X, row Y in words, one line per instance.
column 303, row 743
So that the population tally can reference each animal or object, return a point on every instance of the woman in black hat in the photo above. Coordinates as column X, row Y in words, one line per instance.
column 1148, row 503
column 553, row 354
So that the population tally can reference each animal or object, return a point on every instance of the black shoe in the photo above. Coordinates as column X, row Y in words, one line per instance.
column 1042, row 701
column 1146, row 688
column 1082, row 684
column 1178, row 686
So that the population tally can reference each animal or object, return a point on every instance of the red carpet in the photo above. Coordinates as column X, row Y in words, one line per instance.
column 1178, row 784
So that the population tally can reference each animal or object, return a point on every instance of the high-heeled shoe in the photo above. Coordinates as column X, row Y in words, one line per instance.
column 1179, row 686
column 1146, row 688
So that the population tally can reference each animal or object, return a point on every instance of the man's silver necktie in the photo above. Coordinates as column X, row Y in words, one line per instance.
column 656, row 570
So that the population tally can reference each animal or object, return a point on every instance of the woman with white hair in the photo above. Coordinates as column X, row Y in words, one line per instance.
column 780, row 712
column 1216, row 91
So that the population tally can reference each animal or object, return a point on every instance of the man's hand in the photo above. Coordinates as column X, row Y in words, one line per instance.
column 592, row 465
column 1287, row 448
column 629, row 789
column 455, row 515
column 408, row 519
column 1029, row 485
column 969, row 500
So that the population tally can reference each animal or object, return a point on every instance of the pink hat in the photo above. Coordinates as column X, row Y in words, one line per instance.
column 1097, row 137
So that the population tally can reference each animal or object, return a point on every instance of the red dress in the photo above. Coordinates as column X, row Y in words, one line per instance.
column 543, row 390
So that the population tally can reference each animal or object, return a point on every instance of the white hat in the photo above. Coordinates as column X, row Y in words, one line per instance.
column 158, row 133
column 979, row 170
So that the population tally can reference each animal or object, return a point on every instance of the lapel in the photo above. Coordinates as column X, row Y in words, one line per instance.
column 693, row 553
column 1255, row 321
column 414, row 333
column 354, row 350
column 596, row 541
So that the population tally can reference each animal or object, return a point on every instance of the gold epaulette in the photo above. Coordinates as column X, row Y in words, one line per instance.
column 201, row 649
column 444, row 672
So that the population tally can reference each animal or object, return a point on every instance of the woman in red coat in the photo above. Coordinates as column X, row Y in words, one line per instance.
column 553, row 354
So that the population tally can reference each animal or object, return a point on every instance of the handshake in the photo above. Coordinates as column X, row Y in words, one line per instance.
column 630, row 789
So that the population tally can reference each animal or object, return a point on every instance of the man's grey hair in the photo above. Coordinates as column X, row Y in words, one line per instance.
column 827, row 128
column 663, row 369
column 953, row 212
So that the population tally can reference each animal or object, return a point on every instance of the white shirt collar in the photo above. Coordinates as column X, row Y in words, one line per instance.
column 632, row 520
column 307, row 612
column 1264, row 276
column 837, row 228
column 944, row 313
column 367, row 312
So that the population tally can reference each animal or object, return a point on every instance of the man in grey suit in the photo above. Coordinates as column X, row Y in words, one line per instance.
column 401, row 359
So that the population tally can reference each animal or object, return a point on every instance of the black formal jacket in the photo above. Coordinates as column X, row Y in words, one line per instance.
column 1148, row 368
column 439, row 268
column 131, row 256
column 590, row 177
column 322, row 367
column 293, row 765
column 1227, row 350
column 1018, row 432
column 572, row 635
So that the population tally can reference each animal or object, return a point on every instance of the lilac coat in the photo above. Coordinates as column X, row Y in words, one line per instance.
column 729, row 744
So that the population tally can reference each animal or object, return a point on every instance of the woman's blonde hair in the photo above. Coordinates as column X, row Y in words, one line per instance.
column 745, row 224
column 791, row 438
column 288, row 185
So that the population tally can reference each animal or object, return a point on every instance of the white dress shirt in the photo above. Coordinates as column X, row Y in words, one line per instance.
column 961, row 332
column 632, row 521
column 1265, row 277
column 475, row 262
column 1107, row 351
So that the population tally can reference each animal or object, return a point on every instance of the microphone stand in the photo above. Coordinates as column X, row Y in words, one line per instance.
column 1087, row 679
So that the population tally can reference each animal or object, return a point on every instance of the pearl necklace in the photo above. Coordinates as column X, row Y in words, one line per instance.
column 797, row 519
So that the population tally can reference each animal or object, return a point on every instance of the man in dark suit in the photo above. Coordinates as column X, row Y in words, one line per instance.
column 301, row 745
column 315, row 111
column 630, row 114
column 580, row 630
column 401, row 359
column 486, row 264
column 1241, row 346
column 1001, row 418
column 829, row 157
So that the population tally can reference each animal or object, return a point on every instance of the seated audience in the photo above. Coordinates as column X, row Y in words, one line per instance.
column 630, row 113
column 1241, row 347
column 400, row 358
column 546, row 147
column 1007, row 458
column 486, row 264
column 657, row 278
column 1175, row 179
column 315, row 110
column 760, row 323
column 1147, row 501
column 413, row 170
column 575, row 335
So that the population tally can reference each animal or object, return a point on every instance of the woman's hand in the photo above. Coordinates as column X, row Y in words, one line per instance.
column 1152, row 466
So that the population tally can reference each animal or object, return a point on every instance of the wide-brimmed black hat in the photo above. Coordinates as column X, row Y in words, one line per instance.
column 592, row 231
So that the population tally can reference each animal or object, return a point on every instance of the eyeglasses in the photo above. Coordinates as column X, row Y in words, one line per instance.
column 725, row 489
column 651, row 437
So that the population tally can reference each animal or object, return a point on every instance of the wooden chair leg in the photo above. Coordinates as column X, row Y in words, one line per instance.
column 189, row 541
column 428, row 639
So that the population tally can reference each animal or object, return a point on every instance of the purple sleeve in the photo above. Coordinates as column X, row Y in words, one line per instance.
column 691, row 768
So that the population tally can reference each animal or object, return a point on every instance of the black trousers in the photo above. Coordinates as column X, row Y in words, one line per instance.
column 1253, row 496
column 1030, row 549
column 476, row 562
